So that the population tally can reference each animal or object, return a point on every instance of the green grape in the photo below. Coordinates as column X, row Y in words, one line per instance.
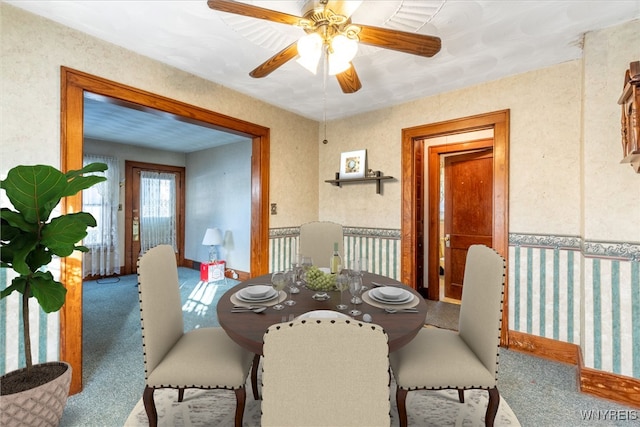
column 319, row 281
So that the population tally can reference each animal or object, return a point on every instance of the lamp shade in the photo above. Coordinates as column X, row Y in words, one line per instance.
column 342, row 51
column 343, row 48
column 310, row 51
column 213, row 236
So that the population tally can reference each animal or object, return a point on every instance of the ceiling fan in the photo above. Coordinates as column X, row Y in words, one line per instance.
column 332, row 35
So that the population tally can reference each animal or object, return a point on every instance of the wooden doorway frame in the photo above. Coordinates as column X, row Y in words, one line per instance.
column 413, row 181
column 73, row 85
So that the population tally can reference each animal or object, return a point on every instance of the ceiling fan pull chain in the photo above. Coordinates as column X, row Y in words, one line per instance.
column 324, row 93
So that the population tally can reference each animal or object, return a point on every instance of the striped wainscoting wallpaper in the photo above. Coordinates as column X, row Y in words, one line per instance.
column 544, row 286
column 560, row 287
column 612, row 308
column 45, row 330
column 282, row 247
column 586, row 293
column 381, row 247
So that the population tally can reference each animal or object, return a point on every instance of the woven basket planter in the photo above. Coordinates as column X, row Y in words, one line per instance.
column 39, row 406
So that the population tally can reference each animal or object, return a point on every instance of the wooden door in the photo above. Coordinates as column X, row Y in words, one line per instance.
column 468, row 198
column 133, row 210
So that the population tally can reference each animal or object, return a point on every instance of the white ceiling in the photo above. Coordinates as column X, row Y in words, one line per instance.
column 481, row 41
column 107, row 121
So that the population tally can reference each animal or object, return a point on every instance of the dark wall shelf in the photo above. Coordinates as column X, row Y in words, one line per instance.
column 377, row 179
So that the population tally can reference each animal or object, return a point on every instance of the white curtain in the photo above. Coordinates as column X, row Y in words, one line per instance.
column 157, row 210
column 101, row 200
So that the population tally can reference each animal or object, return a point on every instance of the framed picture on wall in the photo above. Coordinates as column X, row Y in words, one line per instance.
column 353, row 164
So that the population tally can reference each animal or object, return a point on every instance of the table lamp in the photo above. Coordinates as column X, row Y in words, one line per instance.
column 212, row 237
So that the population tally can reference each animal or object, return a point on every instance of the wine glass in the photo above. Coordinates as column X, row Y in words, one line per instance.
column 342, row 284
column 355, row 288
column 278, row 281
column 306, row 262
column 359, row 267
column 290, row 277
column 296, row 269
column 354, row 267
column 364, row 265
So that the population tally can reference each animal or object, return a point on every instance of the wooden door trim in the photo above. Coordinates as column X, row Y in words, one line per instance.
column 412, row 137
column 73, row 85
column 130, row 165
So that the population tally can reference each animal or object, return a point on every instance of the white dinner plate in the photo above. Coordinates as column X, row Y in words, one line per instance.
column 402, row 300
column 323, row 314
column 269, row 296
column 391, row 293
column 256, row 291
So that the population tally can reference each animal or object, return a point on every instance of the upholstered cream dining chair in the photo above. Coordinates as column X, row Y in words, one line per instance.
column 325, row 372
column 317, row 239
column 204, row 358
column 468, row 359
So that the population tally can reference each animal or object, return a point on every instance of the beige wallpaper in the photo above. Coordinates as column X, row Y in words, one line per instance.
column 611, row 190
column 545, row 146
column 33, row 49
column 549, row 162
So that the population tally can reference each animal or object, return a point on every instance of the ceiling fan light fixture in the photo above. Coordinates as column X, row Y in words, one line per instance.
column 341, row 51
column 343, row 48
column 310, row 51
column 309, row 63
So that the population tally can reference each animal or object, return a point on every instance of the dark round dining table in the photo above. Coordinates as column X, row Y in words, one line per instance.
column 247, row 328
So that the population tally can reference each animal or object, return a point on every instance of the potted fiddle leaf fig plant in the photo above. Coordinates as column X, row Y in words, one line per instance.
column 29, row 241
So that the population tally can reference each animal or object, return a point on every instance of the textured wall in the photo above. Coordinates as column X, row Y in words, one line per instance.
column 544, row 148
column 219, row 195
column 611, row 190
column 33, row 49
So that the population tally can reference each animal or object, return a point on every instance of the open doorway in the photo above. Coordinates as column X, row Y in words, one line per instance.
column 73, row 86
column 420, row 226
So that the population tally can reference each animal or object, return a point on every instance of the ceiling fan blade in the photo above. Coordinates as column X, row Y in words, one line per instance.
column 415, row 44
column 275, row 61
column 349, row 81
column 254, row 12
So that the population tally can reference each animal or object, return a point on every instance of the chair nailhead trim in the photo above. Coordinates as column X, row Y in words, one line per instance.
column 217, row 387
